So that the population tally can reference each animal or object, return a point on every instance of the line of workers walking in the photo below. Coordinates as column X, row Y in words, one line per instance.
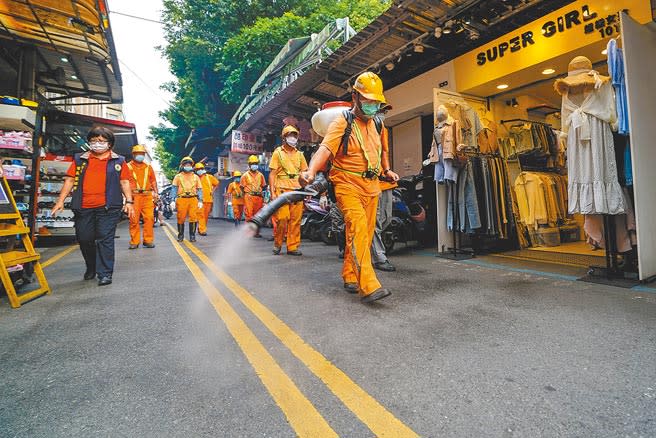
column 355, row 148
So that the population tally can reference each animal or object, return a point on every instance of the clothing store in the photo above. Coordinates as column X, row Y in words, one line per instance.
column 542, row 149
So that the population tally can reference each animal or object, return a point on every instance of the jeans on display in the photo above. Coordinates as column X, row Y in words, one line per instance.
column 463, row 202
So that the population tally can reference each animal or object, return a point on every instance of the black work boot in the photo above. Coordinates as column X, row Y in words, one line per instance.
column 180, row 232
column 192, row 231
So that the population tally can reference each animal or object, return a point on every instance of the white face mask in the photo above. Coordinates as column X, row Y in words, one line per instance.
column 201, row 172
column 291, row 140
column 254, row 167
column 99, row 146
column 139, row 158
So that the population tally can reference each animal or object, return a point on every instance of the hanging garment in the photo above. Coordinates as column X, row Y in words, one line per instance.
column 616, row 71
column 593, row 185
column 625, row 228
column 487, row 138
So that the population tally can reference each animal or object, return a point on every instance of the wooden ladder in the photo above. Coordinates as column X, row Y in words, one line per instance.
column 11, row 224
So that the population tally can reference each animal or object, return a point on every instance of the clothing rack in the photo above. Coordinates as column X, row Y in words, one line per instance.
column 525, row 121
column 455, row 252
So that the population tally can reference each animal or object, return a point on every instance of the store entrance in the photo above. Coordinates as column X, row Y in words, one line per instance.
column 516, row 164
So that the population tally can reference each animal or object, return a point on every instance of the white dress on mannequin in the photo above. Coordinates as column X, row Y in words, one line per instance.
column 593, row 187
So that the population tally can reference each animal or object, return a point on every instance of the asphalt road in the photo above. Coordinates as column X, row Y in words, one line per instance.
column 243, row 343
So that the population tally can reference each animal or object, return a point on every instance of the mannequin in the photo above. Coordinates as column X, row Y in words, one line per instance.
column 588, row 113
column 446, row 138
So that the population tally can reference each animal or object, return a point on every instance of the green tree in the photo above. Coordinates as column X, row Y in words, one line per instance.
column 218, row 48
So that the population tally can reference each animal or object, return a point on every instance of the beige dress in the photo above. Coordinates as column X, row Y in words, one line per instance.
column 593, row 186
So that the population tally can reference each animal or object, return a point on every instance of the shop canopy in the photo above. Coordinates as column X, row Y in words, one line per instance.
column 410, row 38
column 73, row 40
column 295, row 60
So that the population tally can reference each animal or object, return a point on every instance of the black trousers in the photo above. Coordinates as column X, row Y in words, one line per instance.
column 95, row 229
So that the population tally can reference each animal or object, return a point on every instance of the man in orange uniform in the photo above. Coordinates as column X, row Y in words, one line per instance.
column 286, row 165
column 144, row 192
column 208, row 183
column 253, row 184
column 356, row 166
column 236, row 197
column 188, row 193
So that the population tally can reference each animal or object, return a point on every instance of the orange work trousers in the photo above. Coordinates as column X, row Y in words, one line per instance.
column 203, row 215
column 252, row 205
column 144, row 207
column 360, row 219
column 288, row 219
column 187, row 207
column 237, row 211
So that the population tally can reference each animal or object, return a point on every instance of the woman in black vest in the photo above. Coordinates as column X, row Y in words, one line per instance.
column 98, row 180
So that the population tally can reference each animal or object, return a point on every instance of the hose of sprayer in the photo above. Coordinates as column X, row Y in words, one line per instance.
column 319, row 185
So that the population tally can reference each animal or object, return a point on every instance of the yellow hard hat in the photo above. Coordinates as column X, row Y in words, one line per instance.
column 236, row 173
column 199, row 166
column 253, row 159
column 186, row 160
column 288, row 129
column 138, row 148
column 370, row 86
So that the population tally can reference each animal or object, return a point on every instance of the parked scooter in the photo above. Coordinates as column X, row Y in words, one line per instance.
column 408, row 215
column 315, row 224
column 165, row 198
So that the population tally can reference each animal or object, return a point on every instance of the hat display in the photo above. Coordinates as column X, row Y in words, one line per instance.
column 580, row 77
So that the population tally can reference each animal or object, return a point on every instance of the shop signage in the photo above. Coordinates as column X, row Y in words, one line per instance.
column 237, row 161
column 570, row 28
column 246, row 143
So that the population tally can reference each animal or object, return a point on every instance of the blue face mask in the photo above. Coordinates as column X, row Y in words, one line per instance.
column 187, row 168
column 201, row 172
column 254, row 167
column 139, row 158
column 370, row 109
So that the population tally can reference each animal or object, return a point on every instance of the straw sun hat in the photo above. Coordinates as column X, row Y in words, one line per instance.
column 580, row 77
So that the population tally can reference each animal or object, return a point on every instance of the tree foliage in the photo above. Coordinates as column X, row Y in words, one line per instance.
column 218, row 48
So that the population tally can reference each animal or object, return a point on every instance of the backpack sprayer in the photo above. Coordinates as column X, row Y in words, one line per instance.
column 319, row 185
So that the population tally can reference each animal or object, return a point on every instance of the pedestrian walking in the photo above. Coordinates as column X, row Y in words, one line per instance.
column 253, row 184
column 144, row 193
column 286, row 164
column 208, row 182
column 236, row 194
column 98, row 180
column 383, row 219
column 357, row 145
column 187, row 192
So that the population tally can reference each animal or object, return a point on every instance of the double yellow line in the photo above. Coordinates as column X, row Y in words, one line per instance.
column 302, row 415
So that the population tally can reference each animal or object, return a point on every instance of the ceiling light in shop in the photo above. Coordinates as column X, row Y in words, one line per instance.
column 419, row 48
column 448, row 26
column 389, row 66
column 64, row 59
column 73, row 77
column 438, row 32
column 604, row 52
column 502, row 86
column 548, row 71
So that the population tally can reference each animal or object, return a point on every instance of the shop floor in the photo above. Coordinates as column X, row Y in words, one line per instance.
column 571, row 254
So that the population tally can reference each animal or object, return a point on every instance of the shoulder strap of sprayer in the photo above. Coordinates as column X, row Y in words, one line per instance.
column 348, row 115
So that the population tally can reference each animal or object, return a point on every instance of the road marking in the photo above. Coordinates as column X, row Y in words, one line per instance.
column 302, row 415
column 54, row 259
column 381, row 422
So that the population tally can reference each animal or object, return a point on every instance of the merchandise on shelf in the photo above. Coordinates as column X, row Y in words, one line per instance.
column 18, row 140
